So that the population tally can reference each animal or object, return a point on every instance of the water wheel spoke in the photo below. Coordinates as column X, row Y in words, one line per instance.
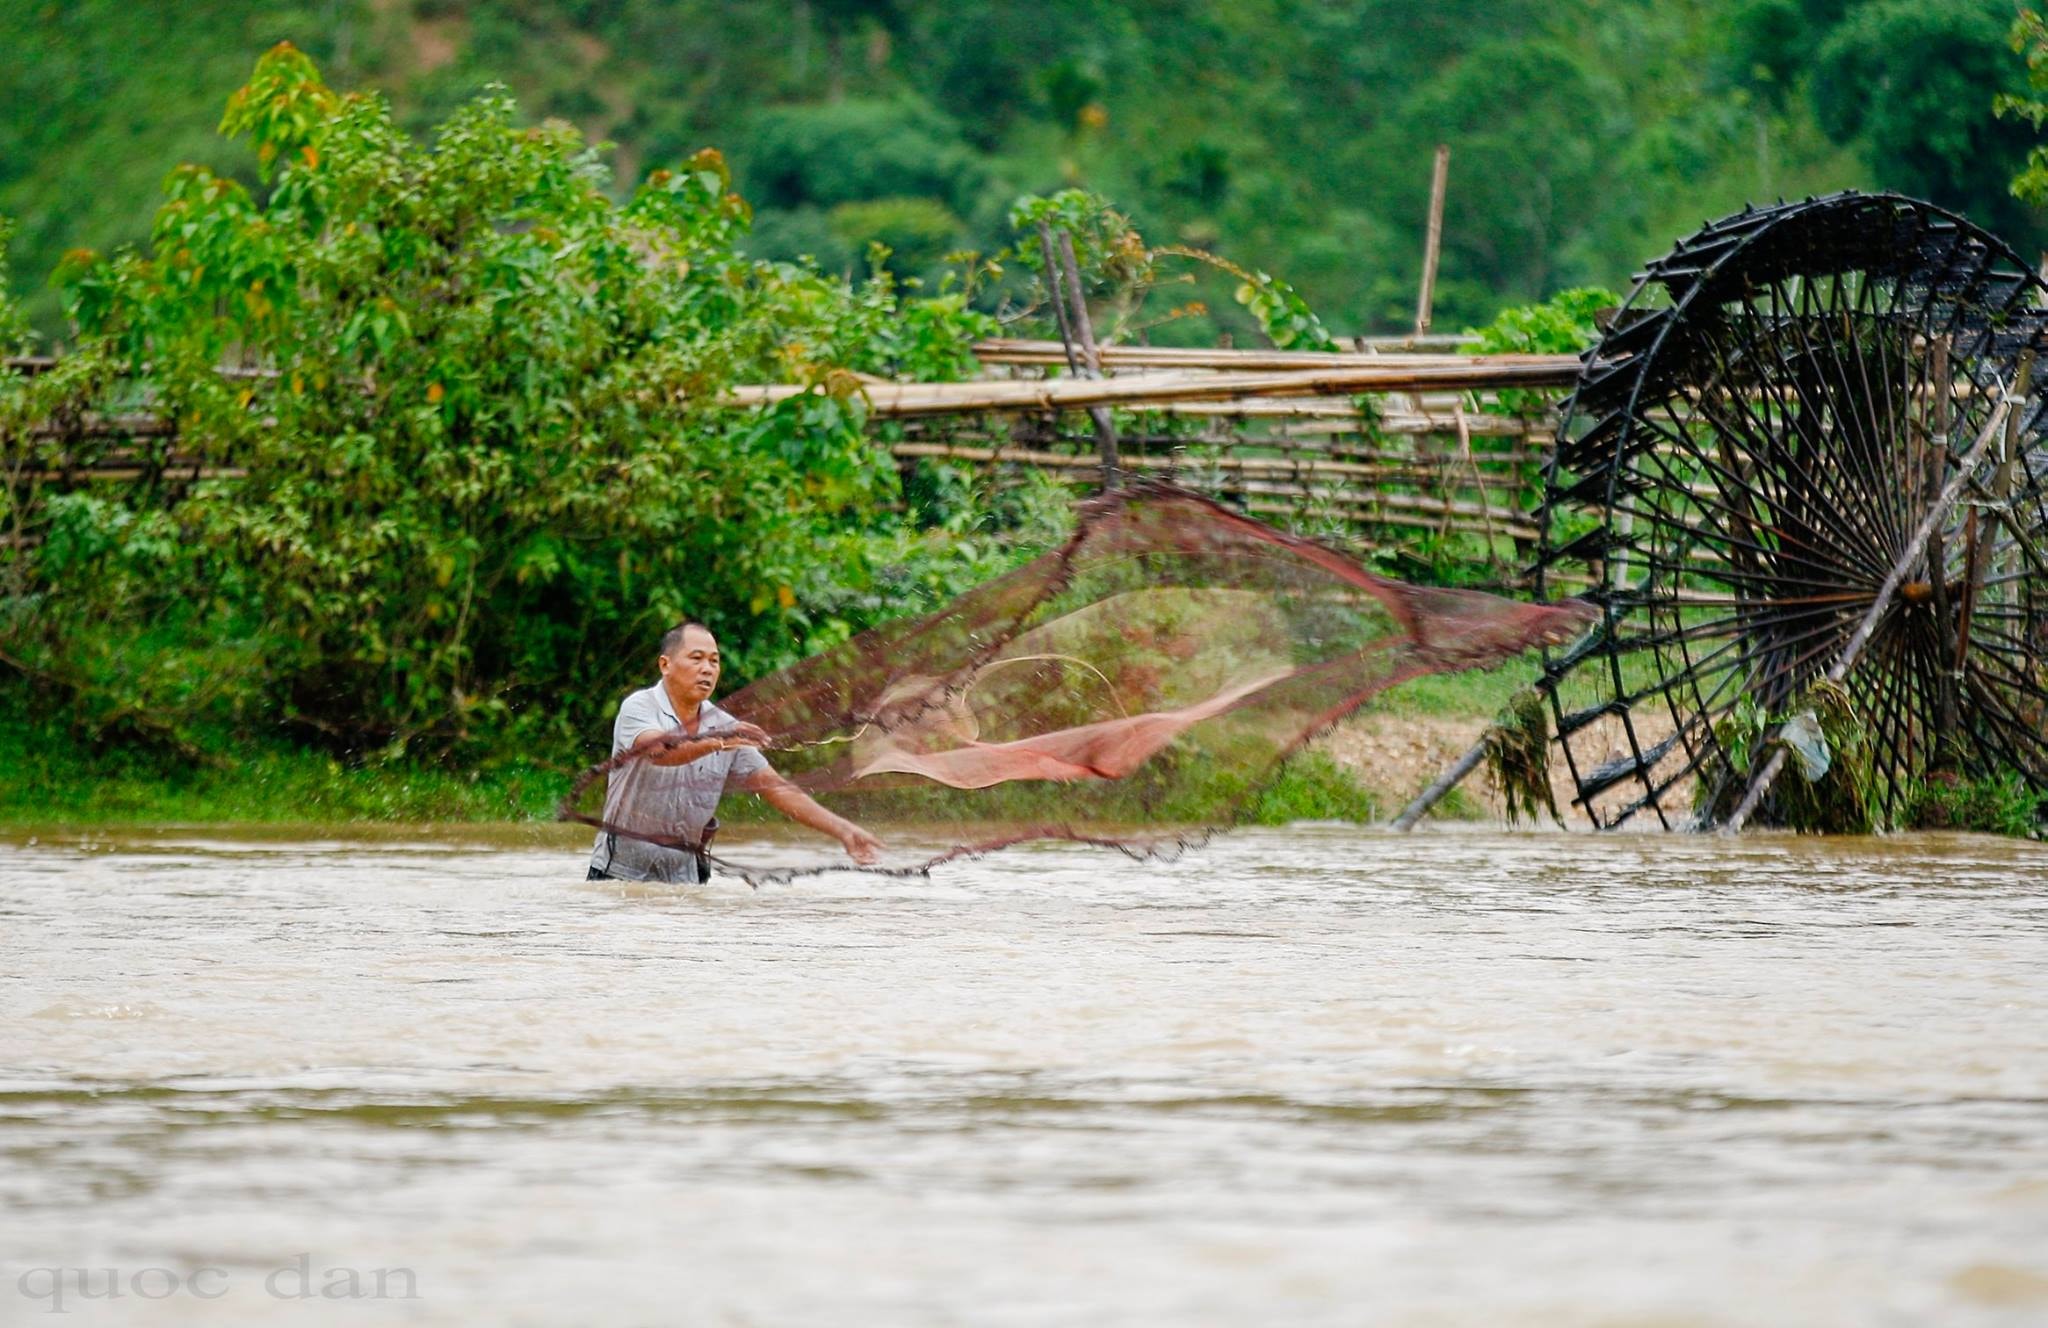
column 1774, row 422
column 1795, row 497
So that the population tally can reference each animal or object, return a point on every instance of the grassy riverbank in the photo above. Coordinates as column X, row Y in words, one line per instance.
column 51, row 776
column 48, row 775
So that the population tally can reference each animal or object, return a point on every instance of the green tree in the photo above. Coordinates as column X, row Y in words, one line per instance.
column 857, row 150
column 2029, row 39
column 1526, row 184
column 487, row 456
column 1294, row 135
column 1915, row 83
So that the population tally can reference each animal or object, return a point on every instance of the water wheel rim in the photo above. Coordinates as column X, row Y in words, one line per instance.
column 1965, row 284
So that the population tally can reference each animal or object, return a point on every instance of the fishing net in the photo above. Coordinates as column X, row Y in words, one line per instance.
column 1135, row 688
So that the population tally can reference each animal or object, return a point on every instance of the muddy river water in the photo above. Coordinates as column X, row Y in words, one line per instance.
column 1318, row 1076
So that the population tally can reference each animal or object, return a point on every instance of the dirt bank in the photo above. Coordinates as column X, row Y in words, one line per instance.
column 1397, row 755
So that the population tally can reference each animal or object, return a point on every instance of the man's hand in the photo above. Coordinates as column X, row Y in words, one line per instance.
column 861, row 846
column 800, row 807
column 743, row 734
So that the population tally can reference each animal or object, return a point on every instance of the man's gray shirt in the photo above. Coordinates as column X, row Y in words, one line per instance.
column 680, row 798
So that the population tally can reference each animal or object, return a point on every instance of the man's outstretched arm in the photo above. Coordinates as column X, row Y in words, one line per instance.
column 673, row 747
column 802, row 808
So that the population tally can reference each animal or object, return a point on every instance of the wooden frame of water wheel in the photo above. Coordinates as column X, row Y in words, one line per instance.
column 1783, row 403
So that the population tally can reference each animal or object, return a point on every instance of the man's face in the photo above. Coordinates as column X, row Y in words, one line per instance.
column 691, row 672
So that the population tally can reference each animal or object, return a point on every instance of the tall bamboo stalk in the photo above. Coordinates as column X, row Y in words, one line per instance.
column 1432, row 246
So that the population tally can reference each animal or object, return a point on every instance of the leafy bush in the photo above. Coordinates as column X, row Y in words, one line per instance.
column 1998, row 804
column 1311, row 786
column 486, row 461
column 1565, row 324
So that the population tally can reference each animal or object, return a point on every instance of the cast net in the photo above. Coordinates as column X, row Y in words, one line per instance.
column 1135, row 688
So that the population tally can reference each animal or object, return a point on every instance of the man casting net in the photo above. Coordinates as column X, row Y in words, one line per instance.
column 1134, row 688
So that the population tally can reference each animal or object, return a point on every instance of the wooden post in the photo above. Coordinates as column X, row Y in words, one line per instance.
column 1105, row 423
column 1432, row 246
column 1056, row 292
column 1760, row 784
column 1977, row 549
column 1929, row 481
column 1070, row 310
column 1083, row 328
column 1445, row 782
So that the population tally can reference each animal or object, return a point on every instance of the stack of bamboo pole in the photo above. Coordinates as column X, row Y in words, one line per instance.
column 1050, row 354
column 1280, row 433
column 1147, row 390
column 1378, row 442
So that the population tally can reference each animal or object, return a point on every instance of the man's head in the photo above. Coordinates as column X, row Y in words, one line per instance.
column 689, row 663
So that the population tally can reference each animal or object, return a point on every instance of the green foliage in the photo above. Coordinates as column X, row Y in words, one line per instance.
column 2029, row 39
column 1565, row 324
column 48, row 777
column 486, row 464
column 1109, row 252
column 912, row 235
column 1466, row 693
column 15, row 338
column 1998, row 804
column 30, row 404
column 1518, row 757
column 1107, row 248
column 859, row 150
column 1310, row 786
column 1763, row 46
column 968, row 528
column 1283, row 315
column 1916, row 83
column 1584, row 135
column 1842, row 801
column 1908, row 87
column 1070, row 91
column 1517, row 178
column 1118, row 271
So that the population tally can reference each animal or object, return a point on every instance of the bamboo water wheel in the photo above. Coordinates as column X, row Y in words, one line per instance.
column 1779, row 405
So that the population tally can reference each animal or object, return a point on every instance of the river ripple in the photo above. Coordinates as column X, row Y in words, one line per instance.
column 1305, row 1076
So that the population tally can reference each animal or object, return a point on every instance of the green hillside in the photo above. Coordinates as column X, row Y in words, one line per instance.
column 1291, row 135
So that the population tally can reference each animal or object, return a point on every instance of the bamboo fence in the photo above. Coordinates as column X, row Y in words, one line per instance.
column 1400, row 450
column 1391, row 451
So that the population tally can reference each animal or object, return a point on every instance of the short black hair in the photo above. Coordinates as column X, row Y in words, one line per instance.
column 672, row 639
